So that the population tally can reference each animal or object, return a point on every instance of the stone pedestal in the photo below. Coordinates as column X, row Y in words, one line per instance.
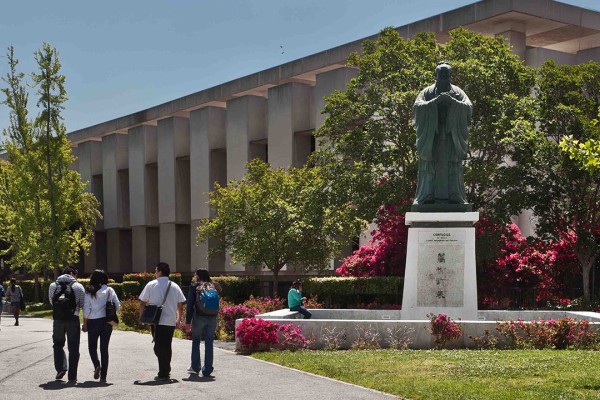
column 440, row 266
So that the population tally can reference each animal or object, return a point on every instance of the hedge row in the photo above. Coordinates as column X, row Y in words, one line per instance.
column 348, row 292
column 333, row 291
column 28, row 287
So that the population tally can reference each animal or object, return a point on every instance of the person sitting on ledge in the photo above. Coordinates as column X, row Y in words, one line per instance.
column 295, row 299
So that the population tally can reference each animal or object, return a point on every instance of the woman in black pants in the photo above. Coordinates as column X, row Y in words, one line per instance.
column 94, row 320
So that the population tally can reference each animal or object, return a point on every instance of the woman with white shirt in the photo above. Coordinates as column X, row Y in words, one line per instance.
column 94, row 320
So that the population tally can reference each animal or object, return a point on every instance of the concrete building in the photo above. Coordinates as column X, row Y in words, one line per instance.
column 152, row 170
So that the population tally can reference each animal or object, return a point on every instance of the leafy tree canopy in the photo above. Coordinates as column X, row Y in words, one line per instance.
column 45, row 213
column 272, row 218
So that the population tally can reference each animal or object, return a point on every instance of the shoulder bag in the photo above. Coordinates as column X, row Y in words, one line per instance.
column 151, row 314
column 111, row 309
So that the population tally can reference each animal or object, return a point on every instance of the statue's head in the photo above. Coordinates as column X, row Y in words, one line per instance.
column 442, row 73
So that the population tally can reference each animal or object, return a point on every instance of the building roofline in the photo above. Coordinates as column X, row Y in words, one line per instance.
column 336, row 57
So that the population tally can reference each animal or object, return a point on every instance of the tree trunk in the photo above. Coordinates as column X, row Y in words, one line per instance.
column 36, row 288
column 275, row 283
column 586, row 255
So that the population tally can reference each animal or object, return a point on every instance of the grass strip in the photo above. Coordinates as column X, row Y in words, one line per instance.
column 457, row 374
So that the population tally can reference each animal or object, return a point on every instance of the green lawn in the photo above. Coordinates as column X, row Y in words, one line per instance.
column 457, row 374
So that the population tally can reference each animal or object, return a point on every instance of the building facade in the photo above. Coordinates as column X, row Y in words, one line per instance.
column 152, row 170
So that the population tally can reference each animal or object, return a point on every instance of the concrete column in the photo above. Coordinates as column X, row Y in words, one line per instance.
column 207, row 133
column 246, row 122
column 114, row 158
column 517, row 40
column 173, row 142
column 288, row 113
column 173, row 146
column 327, row 83
column 168, row 245
column 142, row 146
column 89, row 155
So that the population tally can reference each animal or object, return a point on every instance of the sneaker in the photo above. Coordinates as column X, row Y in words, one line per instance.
column 97, row 373
column 191, row 370
column 72, row 382
column 102, row 380
column 161, row 378
column 60, row 374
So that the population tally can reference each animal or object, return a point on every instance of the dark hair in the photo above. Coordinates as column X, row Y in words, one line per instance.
column 296, row 284
column 164, row 269
column 202, row 275
column 13, row 282
column 97, row 279
column 69, row 271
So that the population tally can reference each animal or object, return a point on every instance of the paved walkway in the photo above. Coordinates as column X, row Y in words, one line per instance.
column 27, row 372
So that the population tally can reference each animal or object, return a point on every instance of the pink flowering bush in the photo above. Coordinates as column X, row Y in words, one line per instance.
column 186, row 330
column 231, row 313
column 260, row 335
column 386, row 252
column 264, row 304
column 292, row 337
column 444, row 329
column 257, row 334
column 557, row 334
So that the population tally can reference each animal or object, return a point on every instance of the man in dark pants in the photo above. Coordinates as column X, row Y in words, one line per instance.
column 69, row 325
column 163, row 291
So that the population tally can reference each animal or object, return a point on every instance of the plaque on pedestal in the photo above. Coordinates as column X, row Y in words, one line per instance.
column 440, row 266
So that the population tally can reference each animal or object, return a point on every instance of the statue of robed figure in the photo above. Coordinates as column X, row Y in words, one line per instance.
column 442, row 114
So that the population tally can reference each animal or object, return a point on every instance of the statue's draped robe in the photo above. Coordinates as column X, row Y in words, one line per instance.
column 442, row 131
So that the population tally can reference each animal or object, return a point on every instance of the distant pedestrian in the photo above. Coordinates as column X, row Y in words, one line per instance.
column 204, row 323
column 295, row 299
column 14, row 294
column 162, row 291
column 97, row 294
column 67, row 298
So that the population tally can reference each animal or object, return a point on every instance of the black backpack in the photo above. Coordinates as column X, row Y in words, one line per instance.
column 64, row 302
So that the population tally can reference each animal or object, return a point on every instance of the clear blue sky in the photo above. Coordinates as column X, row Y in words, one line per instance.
column 123, row 56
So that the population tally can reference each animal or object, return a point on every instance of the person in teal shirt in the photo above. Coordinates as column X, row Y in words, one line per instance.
column 295, row 299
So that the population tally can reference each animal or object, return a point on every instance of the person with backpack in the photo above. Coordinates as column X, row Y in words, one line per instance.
column 14, row 294
column 67, row 298
column 165, row 295
column 295, row 299
column 202, row 309
column 97, row 295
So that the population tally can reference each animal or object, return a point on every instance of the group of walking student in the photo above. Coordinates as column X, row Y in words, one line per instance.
column 100, row 303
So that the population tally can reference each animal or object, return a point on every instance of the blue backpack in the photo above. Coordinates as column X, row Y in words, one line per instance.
column 207, row 300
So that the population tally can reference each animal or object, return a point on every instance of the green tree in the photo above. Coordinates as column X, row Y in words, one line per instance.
column 369, row 136
column 45, row 213
column 562, row 172
column 273, row 218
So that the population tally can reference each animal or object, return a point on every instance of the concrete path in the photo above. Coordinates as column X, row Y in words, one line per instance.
column 27, row 372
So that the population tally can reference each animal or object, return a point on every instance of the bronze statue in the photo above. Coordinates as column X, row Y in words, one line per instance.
column 442, row 113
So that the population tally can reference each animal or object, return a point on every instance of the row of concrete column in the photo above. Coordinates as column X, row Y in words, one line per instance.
column 153, row 181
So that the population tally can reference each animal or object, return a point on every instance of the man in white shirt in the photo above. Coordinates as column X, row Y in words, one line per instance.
column 172, row 311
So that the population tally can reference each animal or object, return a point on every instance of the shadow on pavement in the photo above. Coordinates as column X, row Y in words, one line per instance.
column 93, row 384
column 56, row 385
column 197, row 378
column 155, row 383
